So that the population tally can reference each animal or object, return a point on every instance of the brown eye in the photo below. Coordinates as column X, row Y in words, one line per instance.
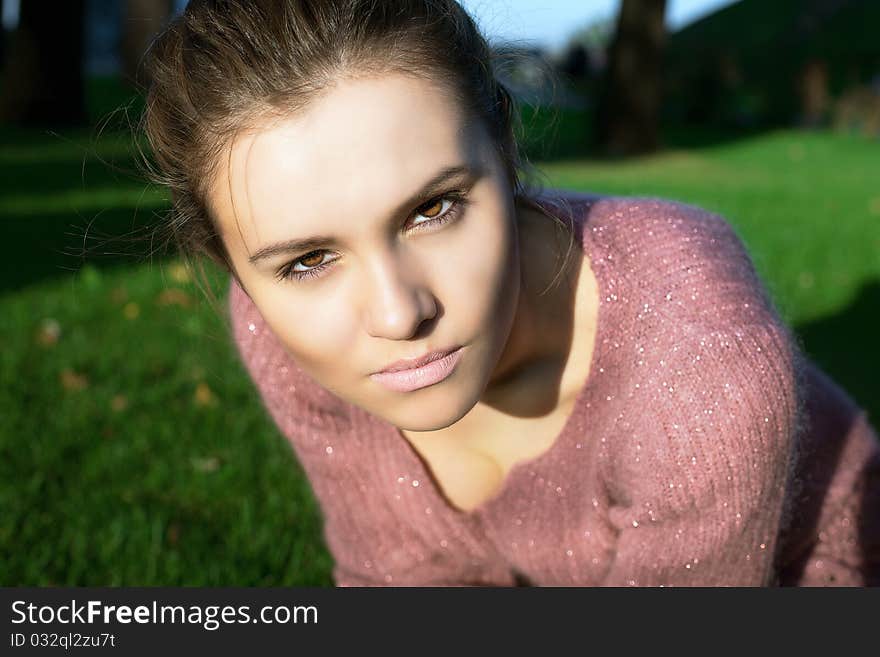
column 438, row 205
column 314, row 255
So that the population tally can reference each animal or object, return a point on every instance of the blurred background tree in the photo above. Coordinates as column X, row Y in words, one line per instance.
column 585, row 51
column 42, row 75
column 627, row 119
column 141, row 21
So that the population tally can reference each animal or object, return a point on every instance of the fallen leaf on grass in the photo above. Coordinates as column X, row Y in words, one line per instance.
column 49, row 332
column 72, row 380
column 208, row 464
column 179, row 272
column 173, row 533
column 173, row 295
column 119, row 294
column 204, row 396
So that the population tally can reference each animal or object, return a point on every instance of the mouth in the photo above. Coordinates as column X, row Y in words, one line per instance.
column 415, row 363
column 435, row 367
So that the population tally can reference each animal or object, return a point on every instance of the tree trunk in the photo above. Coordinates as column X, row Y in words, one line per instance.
column 141, row 22
column 42, row 78
column 630, row 99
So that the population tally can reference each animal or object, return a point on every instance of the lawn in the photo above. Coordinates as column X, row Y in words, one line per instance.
column 134, row 450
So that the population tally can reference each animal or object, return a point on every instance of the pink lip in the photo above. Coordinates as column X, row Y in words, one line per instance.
column 428, row 374
column 415, row 363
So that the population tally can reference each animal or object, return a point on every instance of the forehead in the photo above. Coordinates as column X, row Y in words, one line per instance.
column 364, row 143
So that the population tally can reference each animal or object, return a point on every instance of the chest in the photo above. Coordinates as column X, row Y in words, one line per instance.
column 468, row 476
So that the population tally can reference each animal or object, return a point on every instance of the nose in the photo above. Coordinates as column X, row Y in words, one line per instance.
column 398, row 300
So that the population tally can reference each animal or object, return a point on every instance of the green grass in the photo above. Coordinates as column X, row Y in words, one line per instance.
column 134, row 450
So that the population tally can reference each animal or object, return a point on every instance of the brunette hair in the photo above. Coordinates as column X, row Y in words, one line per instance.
column 222, row 66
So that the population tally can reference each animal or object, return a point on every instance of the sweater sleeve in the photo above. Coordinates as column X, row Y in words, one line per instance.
column 700, row 490
column 834, row 538
column 699, row 482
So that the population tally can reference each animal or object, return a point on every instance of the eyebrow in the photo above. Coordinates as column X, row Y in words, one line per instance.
column 433, row 187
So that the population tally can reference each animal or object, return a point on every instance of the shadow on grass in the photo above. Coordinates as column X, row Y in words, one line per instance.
column 39, row 175
column 71, row 198
column 844, row 345
column 842, row 348
column 52, row 245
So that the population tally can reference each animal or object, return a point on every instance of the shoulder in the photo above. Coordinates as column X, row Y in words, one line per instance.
column 616, row 215
column 643, row 230
column 259, row 348
column 690, row 264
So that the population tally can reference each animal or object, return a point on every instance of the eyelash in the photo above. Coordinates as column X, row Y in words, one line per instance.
column 459, row 202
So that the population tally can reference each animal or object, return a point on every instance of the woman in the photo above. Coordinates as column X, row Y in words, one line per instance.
column 626, row 410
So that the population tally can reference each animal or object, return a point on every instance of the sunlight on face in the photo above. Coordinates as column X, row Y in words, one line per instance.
column 396, row 274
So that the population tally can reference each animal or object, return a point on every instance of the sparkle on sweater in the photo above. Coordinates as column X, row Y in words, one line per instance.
column 690, row 448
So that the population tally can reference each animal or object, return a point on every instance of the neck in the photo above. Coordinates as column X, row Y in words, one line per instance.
column 535, row 341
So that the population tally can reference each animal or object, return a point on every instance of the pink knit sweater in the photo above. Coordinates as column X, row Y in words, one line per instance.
column 704, row 449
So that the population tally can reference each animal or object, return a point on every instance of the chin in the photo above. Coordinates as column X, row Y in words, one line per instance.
column 433, row 412
column 422, row 425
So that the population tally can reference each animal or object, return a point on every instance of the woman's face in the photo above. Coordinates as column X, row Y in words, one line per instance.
column 400, row 270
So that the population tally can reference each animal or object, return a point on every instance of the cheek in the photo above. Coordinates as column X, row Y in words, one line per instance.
column 313, row 332
column 480, row 269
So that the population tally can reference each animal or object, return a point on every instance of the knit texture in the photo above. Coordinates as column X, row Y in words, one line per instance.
column 704, row 449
